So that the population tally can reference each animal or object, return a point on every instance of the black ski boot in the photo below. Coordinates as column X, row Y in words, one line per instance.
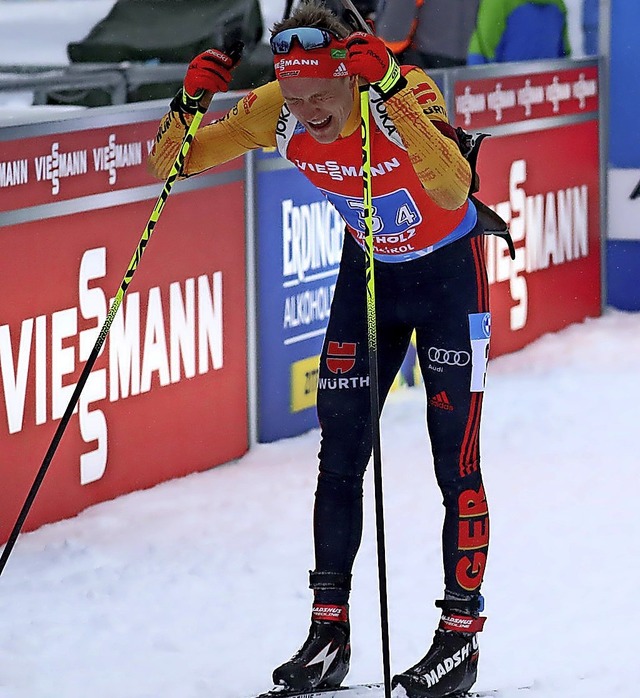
column 323, row 659
column 450, row 666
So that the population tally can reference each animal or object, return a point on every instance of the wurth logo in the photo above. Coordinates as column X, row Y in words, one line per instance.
column 341, row 357
column 343, row 383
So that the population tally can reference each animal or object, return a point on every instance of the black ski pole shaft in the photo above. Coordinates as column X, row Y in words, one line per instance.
column 354, row 18
column 84, row 375
column 287, row 9
column 372, row 344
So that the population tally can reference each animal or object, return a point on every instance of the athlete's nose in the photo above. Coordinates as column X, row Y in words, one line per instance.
column 311, row 112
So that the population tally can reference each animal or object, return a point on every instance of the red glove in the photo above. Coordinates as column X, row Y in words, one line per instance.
column 209, row 72
column 368, row 57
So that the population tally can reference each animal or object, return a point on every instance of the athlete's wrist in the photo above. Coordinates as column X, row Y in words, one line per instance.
column 392, row 82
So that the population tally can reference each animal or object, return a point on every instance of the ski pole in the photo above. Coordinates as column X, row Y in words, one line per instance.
column 133, row 265
column 372, row 344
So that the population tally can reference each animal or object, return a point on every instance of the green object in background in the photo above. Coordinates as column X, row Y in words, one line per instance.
column 515, row 30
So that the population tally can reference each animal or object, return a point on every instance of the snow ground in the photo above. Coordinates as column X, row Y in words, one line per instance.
column 197, row 588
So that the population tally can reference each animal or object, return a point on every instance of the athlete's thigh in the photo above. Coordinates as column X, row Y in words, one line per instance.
column 452, row 349
column 344, row 407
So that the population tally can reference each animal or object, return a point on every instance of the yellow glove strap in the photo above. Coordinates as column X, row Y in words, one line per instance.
column 391, row 76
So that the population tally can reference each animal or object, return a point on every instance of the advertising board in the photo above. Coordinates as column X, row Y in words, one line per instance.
column 540, row 170
column 167, row 395
column 299, row 241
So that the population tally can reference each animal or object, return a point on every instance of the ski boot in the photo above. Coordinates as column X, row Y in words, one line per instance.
column 323, row 659
column 450, row 667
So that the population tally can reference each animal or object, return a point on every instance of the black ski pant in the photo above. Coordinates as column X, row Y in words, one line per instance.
column 443, row 297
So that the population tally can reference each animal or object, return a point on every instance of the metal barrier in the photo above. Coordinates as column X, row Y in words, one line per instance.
column 67, row 84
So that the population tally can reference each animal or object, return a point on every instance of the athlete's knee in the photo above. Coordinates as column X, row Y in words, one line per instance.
column 458, row 490
column 345, row 486
column 345, row 444
column 455, row 474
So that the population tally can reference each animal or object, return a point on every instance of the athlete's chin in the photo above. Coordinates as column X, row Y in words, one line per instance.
column 326, row 133
column 324, row 137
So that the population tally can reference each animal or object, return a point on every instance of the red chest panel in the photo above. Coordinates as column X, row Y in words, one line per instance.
column 405, row 220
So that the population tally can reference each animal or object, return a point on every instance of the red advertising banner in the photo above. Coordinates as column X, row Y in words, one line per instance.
column 545, row 185
column 62, row 166
column 509, row 99
column 167, row 395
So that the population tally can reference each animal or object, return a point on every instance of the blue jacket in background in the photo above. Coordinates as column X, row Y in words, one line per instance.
column 519, row 30
column 590, row 24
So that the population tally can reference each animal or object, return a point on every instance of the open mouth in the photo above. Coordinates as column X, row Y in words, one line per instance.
column 319, row 125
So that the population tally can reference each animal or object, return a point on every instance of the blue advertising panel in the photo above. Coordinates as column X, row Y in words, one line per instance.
column 298, row 244
column 623, row 247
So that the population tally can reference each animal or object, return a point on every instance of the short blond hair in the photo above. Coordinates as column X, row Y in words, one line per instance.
column 313, row 13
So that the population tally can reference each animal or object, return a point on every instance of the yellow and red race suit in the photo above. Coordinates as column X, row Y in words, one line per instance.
column 420, row 180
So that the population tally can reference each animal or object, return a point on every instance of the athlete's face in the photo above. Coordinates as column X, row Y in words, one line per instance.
column 322, row 106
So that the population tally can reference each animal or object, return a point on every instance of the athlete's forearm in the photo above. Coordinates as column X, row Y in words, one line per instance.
column 250, row 124
column 211, row 146
column 436, row 159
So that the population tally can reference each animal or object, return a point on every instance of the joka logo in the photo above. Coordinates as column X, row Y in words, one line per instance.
column 441, row 401
column 341, row 357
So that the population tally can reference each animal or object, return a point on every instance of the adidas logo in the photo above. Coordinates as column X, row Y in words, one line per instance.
column 441, row 401
column 341, row 71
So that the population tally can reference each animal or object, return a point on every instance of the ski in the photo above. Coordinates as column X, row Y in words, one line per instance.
column 492, row 693
column 368, row 690
column 495, row 693
column 364, row 690
column 398, row 692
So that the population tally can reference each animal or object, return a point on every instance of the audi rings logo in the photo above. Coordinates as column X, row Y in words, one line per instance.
column 449, row 357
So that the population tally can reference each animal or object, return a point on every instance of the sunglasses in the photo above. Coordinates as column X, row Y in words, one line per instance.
column 308, row 38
